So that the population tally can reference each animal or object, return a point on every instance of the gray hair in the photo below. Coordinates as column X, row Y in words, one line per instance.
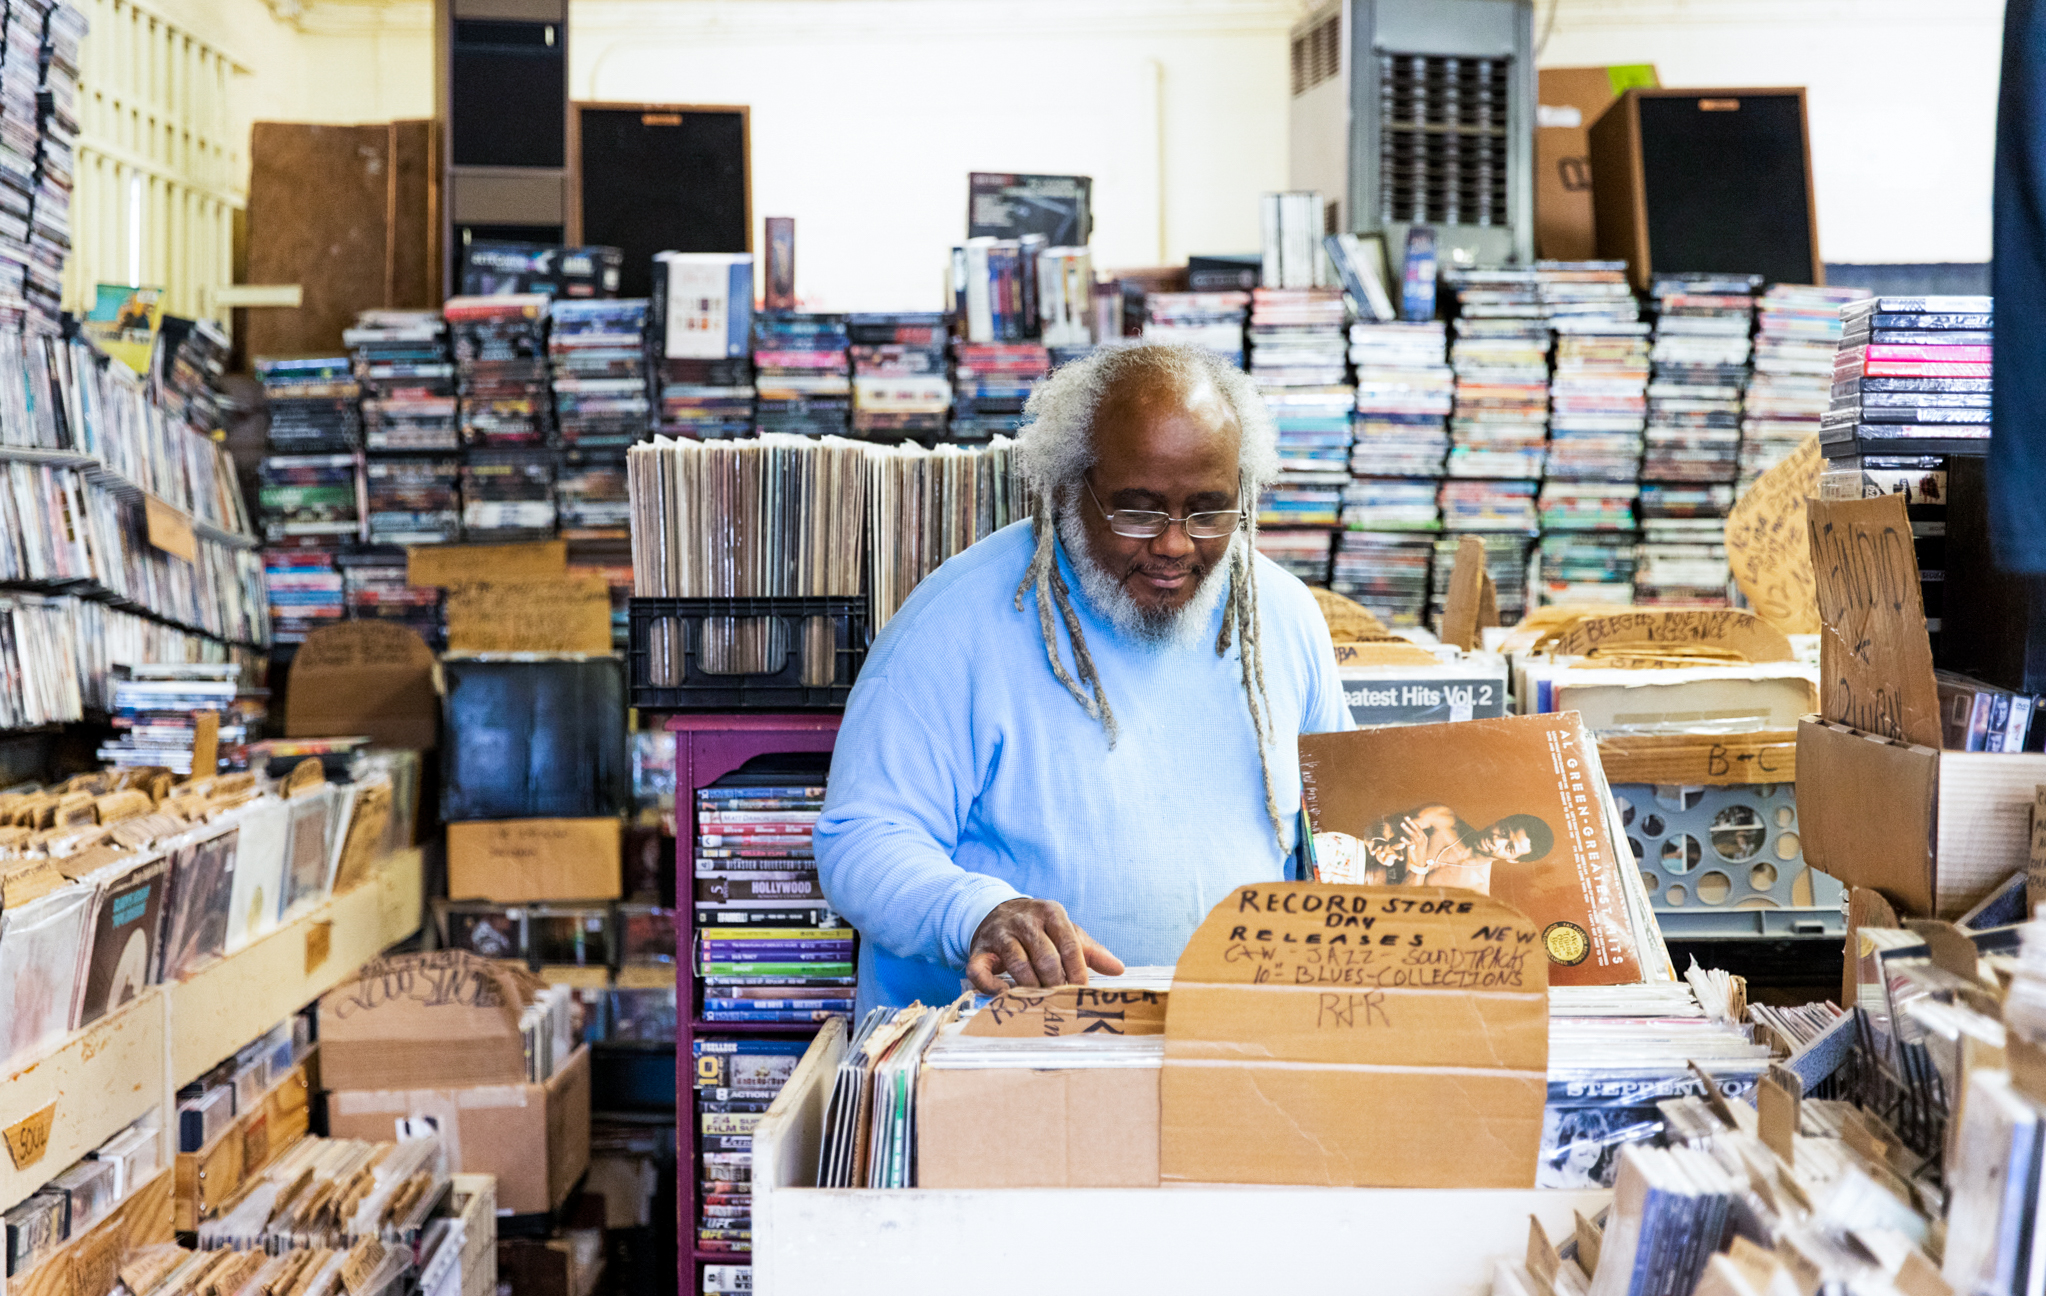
column 1056, row 445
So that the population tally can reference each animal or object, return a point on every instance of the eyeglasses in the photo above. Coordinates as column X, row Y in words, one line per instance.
column 1149, row 524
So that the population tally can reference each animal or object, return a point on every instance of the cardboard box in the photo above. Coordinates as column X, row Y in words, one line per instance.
column 1571, row 100
column 365, row 677
column 444, row 1018
column 1001, row 1128
column 534, row 1137
column 1933, row 832
column 516, row 861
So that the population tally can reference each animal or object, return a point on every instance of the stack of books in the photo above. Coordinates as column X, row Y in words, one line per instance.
column 1212, row 320
column 701, row 319
column 1797, row 331
column 900, row 388
column 500, row 349
column 407, row 377
column 991, row 381
column 802, row 375
column 597, row 352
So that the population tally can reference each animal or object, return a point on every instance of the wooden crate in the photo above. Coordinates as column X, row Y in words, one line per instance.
column 476, row 1203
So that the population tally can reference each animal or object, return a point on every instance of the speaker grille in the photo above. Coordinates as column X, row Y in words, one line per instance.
column 1317, row 53
column 1442, row 139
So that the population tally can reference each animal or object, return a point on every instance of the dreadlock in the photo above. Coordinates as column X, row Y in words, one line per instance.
column 1057, row 446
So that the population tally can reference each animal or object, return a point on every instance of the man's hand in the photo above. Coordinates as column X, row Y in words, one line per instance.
column 1037, row 945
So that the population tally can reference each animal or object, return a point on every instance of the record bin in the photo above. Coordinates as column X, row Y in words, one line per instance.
column 670, row 666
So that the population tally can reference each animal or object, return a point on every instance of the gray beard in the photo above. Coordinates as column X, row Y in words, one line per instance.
column 1183, row 627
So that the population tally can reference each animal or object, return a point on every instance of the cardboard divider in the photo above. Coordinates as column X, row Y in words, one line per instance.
column 1701, row 759
column 87, row 1265
column 210, row 1177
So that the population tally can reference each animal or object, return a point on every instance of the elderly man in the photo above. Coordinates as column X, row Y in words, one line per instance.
column 1078, row 735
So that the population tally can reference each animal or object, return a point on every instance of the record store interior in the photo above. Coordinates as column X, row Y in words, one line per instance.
column 879, row 647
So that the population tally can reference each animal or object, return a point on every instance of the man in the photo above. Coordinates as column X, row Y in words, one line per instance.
column 1078, row 735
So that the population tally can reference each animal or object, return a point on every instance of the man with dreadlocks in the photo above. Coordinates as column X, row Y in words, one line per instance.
column 1079, row 734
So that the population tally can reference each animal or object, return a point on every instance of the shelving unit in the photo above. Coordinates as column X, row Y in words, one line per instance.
column 708, row 747
column 102, row 1078
column 97, row 471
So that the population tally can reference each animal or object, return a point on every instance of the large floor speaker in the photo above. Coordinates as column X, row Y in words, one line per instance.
column 653, row 178
column 1707, row 182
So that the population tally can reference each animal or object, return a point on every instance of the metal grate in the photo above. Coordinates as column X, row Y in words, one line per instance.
column 1442, row 139
column 1317, row 53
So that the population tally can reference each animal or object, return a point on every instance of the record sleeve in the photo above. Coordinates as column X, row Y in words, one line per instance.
column 258, row 871
column 306, row 856
column 41, row 954
column 126, row 926
column 201, row 889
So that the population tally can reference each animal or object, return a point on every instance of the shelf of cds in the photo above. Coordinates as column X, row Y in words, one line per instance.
column 140, row 969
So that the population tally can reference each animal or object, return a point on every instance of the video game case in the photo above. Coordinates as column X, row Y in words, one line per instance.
column 1942, row 305
column 1928, row 320
column 1853, row 386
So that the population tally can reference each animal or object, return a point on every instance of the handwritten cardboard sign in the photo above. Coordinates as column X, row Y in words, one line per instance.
column 2035, row 868
column 1033, row 1012
column 28, row 1138
column 1767, row 544
column 1731, row 629
column 169, row 530
column 364, row 677
column 569, row 614
column 446, row 565
column 1304, row 1015
column 1875, row 659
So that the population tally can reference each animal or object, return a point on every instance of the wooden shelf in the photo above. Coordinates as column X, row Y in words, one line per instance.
column 210, row 1177
column 87, row 1262
column 97, row 471
column 100, row 1080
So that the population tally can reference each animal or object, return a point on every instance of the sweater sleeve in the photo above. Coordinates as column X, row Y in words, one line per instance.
column 899, row 793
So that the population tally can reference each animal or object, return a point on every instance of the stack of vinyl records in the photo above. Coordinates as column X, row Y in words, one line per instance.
column 500, row 348
column 1797, row 331
column 312, row 404
column 990, row 383
column 900, row 388
column 802, row 374
column 412, row 500
column 1506, row 562
column 736, row 1082
column 701, row 321
column 598, row 352
column 57, row 134
column 1701, row 366
column 374, row 588
column 1912, row 376
column 507, row 495
column 304, row 589
column 1296, row 337
column 1386, row 572
column 1501, row 358
column 407, row 377
column 1211, row 320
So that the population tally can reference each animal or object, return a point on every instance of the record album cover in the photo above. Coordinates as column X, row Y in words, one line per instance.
column 258, row 871
column 40, row 948
column 306, row 857
column 202, row 888
column 1512, row 807
column 126, row 926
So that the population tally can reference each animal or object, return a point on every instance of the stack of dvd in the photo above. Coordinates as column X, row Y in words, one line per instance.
column 736, row 1082
column 507, row 495
column 1591, row 566
column 1701, row 366
column 153, row 713
column 990, row 383
column 701, row 321
column 1911, row 377
column 1212, row 320
column 1499, row 430
column 304, row 588
column 408, row 380
column 598, row 353
column 57, row 112
column 1681, row 562
column 1301, row 550
column 311, row 501
column 20, row 79
column 1797, row 331
column 1296, row 337
column 1386, row 572
column 1597, row 407
column 802, row 374
column 591, row 499
column 1477, row 505
column 1505, row 560
column 1298, row 361
column 412, row 500
column 778, row 954
column 500, row 349
column 900, row 389
column 312, row 402
column 374, row 587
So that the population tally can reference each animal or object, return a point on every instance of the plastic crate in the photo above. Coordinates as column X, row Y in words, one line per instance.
column 667, row 657
column 1726, row 860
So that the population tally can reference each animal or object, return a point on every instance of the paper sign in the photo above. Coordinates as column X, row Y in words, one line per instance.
column 1303, row 1015
column 571, row 614
column 1037, row 1013
column 1875, row 659
column 319, row 942
column 29, row 1137
column 205, row 744
column 373, row 678
column 2035, row 870
column 446, row 565
column 1735, row 631
column 1385, row 652
column 362, row 643
column 1699, row 759
column 1767, row 544
column 1462, row 605
column 169, row 529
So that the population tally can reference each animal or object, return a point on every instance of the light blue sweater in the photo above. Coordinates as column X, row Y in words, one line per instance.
column 965, row 775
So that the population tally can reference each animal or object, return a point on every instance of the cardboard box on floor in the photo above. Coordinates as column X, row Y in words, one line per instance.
column 518, row 861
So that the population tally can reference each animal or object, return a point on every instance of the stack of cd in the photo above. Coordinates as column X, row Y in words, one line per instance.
column 802, row 375
column 1701, row 366
column 374, row 585
column 1386, row 572
column 1212, row 320
column 1797, row 332
column 500, row 347
column 412, row 500
column 1911, row 377
column 1296, row 337
column 990, row 383
column 408, row 380
column 1505, row 562
column 900, row 389
column 312, row 402
column 507, row 495
column 598, row 353
column 57, row 108
column 1501, row 358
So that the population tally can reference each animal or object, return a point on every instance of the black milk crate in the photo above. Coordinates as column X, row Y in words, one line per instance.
column 676, row 661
